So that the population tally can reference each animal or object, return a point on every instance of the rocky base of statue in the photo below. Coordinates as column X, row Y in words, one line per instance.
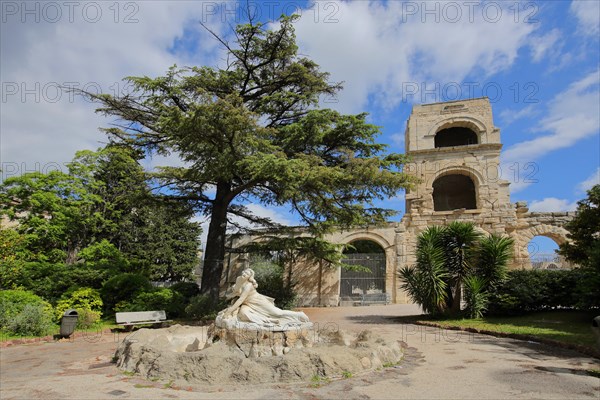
column 216, row 355
column 263, row 341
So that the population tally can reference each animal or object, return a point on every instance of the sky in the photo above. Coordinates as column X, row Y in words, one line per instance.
column 537, row 61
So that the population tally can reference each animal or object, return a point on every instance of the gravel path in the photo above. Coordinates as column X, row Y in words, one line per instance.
column 438, row 364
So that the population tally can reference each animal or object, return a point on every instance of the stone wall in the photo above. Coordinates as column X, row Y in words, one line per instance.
column 493, row 213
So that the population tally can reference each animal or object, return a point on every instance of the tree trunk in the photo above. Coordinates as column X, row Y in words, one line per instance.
column 214, row 255
column 456, row 299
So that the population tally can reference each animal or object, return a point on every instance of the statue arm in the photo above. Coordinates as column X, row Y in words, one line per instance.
column 245, row 291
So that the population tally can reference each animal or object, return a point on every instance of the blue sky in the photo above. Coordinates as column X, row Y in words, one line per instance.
column 537, row 61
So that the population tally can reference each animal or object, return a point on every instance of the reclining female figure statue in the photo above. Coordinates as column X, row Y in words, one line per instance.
column 253, row 307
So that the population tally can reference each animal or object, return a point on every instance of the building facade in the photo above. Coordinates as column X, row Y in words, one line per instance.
column 454, row 149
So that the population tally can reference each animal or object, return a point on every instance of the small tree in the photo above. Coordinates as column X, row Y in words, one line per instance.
column 584, row 247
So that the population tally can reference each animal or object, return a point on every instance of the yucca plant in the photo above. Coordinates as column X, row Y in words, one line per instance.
column 494, row 254
column 460, row 242
column 426, row 283
column 476, row 296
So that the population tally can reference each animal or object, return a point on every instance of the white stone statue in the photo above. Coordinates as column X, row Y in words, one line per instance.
column 252, row 308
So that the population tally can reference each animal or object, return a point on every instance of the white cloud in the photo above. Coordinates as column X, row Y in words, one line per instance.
column 588, row 15
column 592, row 180
column 510, row 116
column 379, row 49
column 572, row 116
column 552, row 204
column 544, row 45
column 398, row 139
column 42, row 125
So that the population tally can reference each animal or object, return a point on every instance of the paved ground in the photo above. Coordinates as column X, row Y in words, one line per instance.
column 438, row 365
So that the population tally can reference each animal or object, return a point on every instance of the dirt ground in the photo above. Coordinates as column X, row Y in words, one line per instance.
column 438, row 364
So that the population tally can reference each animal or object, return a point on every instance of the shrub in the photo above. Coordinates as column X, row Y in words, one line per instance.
column 86, row 301
column 33, row 320
column 51, row 281
column 269, row 277
column 186, row 289
column 13, row 302
column 123, row 288
column 202, row 307
column 157, row 299
column 535, row 290
column 476, row 296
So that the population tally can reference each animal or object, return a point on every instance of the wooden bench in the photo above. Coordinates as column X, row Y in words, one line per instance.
column 129, row 319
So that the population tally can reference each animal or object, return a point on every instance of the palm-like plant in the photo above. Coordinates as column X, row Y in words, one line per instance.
column 460, row 242
column 450, row 258
column 476, row 296
column 493, row 256
column 426, row 282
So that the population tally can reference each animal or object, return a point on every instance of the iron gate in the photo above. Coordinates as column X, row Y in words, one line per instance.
column 357, row 283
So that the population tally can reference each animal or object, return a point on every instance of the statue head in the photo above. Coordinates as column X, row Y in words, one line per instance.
column 248, row 274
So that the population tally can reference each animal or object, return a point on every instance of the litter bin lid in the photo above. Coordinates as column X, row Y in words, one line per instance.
column 71, row 312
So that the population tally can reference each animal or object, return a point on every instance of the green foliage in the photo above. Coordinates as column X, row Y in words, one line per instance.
column 33, row 320
column 204, row 308
column 450, row 258
column 24, row 313
column 170, row 301
column 426, row 283
column 583, row 248
column 254, row 129
column 476, row 296
column 123, row 288
column 81, row 299
column 269, row 277
column 104, row 254
column 102, row 213
column 12, row 303
column 186, row 289
column 53, row 280
column 494, row 254
column 535, row 290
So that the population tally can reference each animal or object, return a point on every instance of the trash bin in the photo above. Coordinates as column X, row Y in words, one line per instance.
column 68, row 322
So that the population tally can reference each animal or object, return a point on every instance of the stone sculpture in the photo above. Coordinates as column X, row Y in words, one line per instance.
column 252, row 309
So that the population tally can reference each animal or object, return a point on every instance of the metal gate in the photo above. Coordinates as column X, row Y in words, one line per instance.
column 354, row 284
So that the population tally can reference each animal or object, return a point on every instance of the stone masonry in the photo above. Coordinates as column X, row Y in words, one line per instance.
column 455, row 152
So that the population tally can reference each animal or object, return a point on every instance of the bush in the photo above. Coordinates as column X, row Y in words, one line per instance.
column 13, row 302
column 202, row 307
column 86, row 301
column 476, row 296
column 51, row 281
column 535, row 290
column 122, row 289
column 33, row 320
column 186, row 289
column 269, row 277
column 157, row 299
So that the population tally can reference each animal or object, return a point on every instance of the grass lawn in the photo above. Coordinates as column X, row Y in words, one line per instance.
column 572, row 327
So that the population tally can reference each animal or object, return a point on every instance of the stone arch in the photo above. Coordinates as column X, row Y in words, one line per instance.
column 475, row 177
column 389, row 250
column 524, row 236
column 471, row 123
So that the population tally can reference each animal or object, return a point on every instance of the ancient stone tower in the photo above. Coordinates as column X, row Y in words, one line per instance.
column 455, row 153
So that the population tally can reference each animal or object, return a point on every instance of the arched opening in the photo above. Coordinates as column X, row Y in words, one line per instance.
column 369, row 277
column 542, row 253
column 455, row 136
column 452, row 192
